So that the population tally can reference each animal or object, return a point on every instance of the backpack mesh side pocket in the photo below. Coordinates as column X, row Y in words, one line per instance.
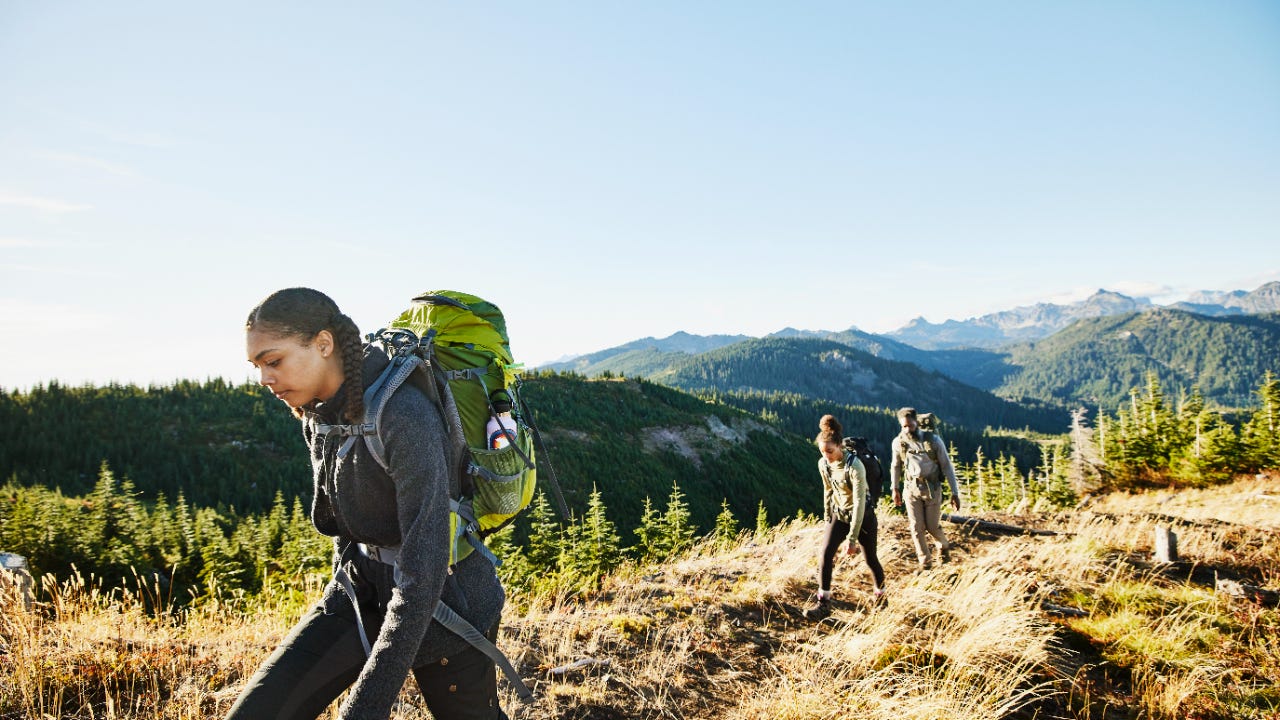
column 508, row 485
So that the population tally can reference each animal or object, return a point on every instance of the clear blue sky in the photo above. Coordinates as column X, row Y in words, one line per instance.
column 609, row 171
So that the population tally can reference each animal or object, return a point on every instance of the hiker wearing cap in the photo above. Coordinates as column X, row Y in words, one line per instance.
column 919, row 463
column 390, row 533
column 844, row 500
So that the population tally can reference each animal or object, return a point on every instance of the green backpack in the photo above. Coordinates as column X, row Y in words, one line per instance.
column 454, row 346
column 457, row 344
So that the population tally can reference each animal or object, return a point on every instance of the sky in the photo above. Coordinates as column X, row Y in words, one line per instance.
column 610, row 171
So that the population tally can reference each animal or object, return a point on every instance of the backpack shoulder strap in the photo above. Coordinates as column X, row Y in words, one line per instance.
column 927, row 437
column 376, row 397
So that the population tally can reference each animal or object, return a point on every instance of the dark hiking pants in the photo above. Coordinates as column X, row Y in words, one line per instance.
column 837, row 531
column 322, row 656
column 867, row 539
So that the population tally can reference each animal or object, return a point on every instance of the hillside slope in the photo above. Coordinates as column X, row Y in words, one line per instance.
column 632, row 439
column 1101, row 360
column 1079, row 624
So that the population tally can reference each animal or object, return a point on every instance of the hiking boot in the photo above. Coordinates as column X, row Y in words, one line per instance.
column 818, row 610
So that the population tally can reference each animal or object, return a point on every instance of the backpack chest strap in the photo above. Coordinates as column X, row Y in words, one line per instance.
column 349, row 431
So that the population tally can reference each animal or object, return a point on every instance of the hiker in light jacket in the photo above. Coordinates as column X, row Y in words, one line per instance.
column 390, row 532
column 920, row 462
column 844, row 483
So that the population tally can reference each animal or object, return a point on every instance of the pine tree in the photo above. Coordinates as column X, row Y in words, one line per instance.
column 762, row 522
column 515, row 570
column 598, row 550
column 1261, row 436
column 677, row 526
column 1059, row 490
column 648, row 532
column 545, row 536
column 726, row 529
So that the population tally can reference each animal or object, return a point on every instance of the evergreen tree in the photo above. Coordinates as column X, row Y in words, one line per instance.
column 762, row 522
column 1261, row 434
column 648, row 533
column 1059, row 490
column 545, row 537
column 598, row 550
column 726, row 529
column 515, row 568
column 677, row 527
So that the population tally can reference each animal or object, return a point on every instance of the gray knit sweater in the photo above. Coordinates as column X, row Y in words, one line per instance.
column 356, row 501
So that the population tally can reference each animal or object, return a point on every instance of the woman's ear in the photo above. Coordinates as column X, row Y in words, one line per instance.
column 324, row 343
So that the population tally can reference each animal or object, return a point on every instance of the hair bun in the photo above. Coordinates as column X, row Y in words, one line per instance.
column 830, row 424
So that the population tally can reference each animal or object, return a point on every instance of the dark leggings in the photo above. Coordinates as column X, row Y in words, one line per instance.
column 837, row 531
column 322, row 656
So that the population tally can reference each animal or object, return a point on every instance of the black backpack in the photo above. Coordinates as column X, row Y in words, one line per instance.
column 875, row 473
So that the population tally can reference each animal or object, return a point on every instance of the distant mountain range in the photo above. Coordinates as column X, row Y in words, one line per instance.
column 1093, row 352
column 1033, row 322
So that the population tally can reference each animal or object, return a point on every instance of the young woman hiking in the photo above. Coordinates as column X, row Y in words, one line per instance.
column 390, row 531
column 845, row 507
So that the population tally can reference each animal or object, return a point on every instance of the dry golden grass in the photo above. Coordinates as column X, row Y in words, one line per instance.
column 1251, row 501
column 718, row 634
column 87, row 653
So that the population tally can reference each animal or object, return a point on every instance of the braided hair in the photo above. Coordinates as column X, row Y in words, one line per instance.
column 303, row 313
column 830, row 431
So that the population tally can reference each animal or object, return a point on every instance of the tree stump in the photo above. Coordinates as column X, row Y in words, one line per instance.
column 1166, row 545
column 16, row 579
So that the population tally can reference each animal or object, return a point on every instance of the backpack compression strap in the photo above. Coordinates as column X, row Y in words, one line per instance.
column 543, row 455
column 446, row 616
column 453, row 622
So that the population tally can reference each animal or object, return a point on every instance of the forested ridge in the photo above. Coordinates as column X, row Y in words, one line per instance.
column 1098, row 361
column 833, row 372
column 221, row 445
column 1094, row 361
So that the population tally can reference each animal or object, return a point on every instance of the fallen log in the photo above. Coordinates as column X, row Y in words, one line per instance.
column 995, row 527
column 1235, row 589
column 582, row 664
column 1063, row 610
column 1170, row 520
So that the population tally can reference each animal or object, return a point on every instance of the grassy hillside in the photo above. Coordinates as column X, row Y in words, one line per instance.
column 1076, row 625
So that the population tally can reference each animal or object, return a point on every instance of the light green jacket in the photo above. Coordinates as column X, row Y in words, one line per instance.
column 844, row 491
